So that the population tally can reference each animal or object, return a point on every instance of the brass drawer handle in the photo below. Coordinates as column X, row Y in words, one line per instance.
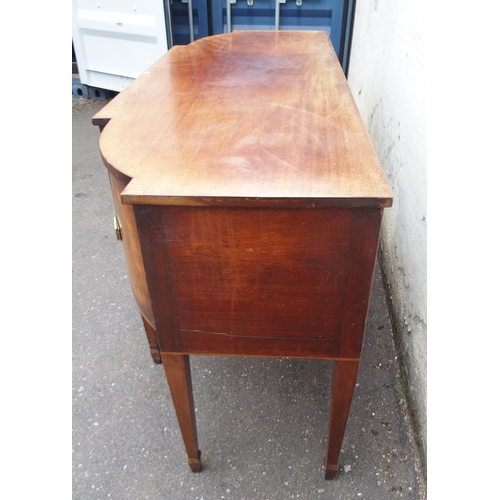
column 118, row 227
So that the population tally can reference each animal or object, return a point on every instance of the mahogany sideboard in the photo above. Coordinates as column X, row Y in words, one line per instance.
column 250, row 200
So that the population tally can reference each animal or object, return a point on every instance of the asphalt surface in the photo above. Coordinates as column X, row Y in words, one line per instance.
column 261, row 422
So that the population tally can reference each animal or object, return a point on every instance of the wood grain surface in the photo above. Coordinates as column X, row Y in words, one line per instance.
column 250, row 281
column 243, row 119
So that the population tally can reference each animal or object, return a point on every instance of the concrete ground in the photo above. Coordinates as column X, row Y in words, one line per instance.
column 261, row 422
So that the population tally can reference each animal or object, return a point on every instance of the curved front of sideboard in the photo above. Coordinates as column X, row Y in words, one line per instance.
column 135, row 265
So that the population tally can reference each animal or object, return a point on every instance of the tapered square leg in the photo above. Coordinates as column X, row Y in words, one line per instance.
column 152, row 340
column 178, row 372
column 343, row 385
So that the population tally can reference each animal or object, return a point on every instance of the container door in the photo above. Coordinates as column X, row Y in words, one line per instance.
column 117, row 40
column 189, row 20
column 332, row 16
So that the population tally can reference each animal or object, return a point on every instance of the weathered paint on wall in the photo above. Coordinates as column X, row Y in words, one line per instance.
column 387, row 79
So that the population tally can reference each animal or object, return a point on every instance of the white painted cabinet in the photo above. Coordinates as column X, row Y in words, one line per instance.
column 117, row 40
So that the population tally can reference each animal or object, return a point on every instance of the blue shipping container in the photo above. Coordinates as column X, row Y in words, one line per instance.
column 210, row 17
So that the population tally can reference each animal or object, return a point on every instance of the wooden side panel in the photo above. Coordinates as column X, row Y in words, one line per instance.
column 264, row 282
column 258, row 273
column 361, row 266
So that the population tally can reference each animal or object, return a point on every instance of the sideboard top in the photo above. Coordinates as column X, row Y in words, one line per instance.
column 250, row 118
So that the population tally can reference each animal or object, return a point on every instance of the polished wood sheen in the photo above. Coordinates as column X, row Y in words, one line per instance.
column 252, row 200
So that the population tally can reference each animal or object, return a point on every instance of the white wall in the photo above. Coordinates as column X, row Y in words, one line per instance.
column 387, row 79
